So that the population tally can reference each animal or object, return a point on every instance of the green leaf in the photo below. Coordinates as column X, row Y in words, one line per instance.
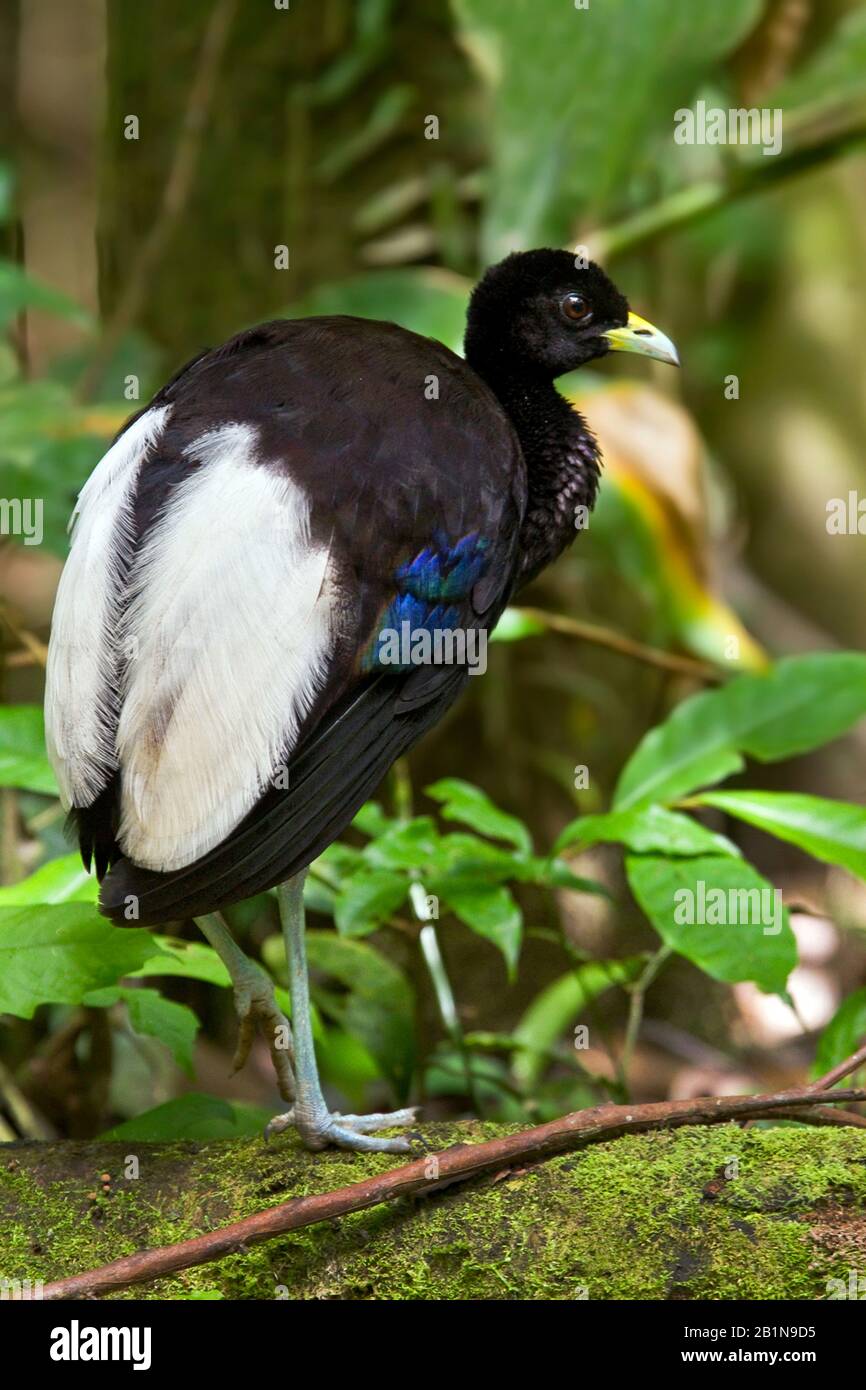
column 23, row 762
column 337, row 862
column 378, row 1006
column 646, row 829
column 471, row 806
column 367, row 900
column 173, row 1024
column 371, row 819
column 834, row 831
column 190, row 960
column 58, row 954
column 491, row 912
column 844, row 1034
column 697, row 906
column 559, row 1004
column 462, row 860
column 571, row 127
column 555, row 873
column 801, row 703
column 61, row 880
column 404, row 846
column 193, row 1116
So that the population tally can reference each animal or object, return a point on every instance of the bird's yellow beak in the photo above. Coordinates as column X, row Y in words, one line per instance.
column 644, row 338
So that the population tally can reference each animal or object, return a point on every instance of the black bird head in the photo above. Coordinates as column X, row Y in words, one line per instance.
column 543, row 313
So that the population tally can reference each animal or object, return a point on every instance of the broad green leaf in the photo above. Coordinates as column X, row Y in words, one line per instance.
column 337, row 862
column 173, row 1024
column 62, row 880
column 191, row 960
column 558, row 1006
column 834, row 831
column 371, row 819
column 193, row 1116
column 377, row 1006
column 801, row 703
column 346, row 1063
column 719, row 913
column 490, row 910
column 844, row 1034
column 318, row 896
column 58, row 954
column 572, row 124
column 471, row 806
column 367, row 900
column 407, row 846
column 555, row 873
column 23, row 761
column 464, row 860
column 646, row 829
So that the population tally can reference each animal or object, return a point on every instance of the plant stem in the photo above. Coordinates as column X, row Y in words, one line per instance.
column 428, row 940
column 626, row 646
column 638, row 992
column 692, row 204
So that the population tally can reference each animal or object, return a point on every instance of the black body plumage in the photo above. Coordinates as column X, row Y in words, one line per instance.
column 434, row 503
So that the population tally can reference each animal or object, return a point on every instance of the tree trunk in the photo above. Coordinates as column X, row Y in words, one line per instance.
column 698, row 1213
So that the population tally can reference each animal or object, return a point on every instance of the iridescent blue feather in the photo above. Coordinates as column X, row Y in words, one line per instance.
column 429, row 589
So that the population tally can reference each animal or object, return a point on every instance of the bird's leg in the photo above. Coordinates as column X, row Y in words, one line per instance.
column 316, row 1125
column 255, row 1003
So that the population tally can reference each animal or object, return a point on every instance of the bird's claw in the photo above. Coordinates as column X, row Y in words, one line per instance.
column 256, row 1006
column 356, row 1132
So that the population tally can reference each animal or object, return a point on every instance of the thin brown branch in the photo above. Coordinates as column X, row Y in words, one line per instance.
column 463, row 1162
column 626, row 646
column 175, row 196
column 818, row 1115
column 838, row 1073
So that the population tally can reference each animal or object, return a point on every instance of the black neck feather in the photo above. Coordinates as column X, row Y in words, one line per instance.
column 562, row 464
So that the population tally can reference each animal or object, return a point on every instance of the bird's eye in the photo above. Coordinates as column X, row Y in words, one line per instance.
column 575, row 307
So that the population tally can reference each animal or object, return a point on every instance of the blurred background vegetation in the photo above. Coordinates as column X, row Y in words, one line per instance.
column 156, row 160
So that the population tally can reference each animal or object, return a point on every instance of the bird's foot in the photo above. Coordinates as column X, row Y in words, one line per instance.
column 320, row 1127
column 256, row 1006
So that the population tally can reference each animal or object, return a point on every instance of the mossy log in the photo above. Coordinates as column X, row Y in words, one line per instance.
column 699, row 1213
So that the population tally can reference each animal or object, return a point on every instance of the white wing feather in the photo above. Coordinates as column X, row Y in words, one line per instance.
column 229, row 627
column 83, row 650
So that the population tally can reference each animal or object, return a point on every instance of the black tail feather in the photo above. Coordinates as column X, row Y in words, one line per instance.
column 329, row 780
column 95, row 828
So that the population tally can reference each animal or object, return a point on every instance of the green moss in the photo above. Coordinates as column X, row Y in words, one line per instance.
column 694, row 1213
